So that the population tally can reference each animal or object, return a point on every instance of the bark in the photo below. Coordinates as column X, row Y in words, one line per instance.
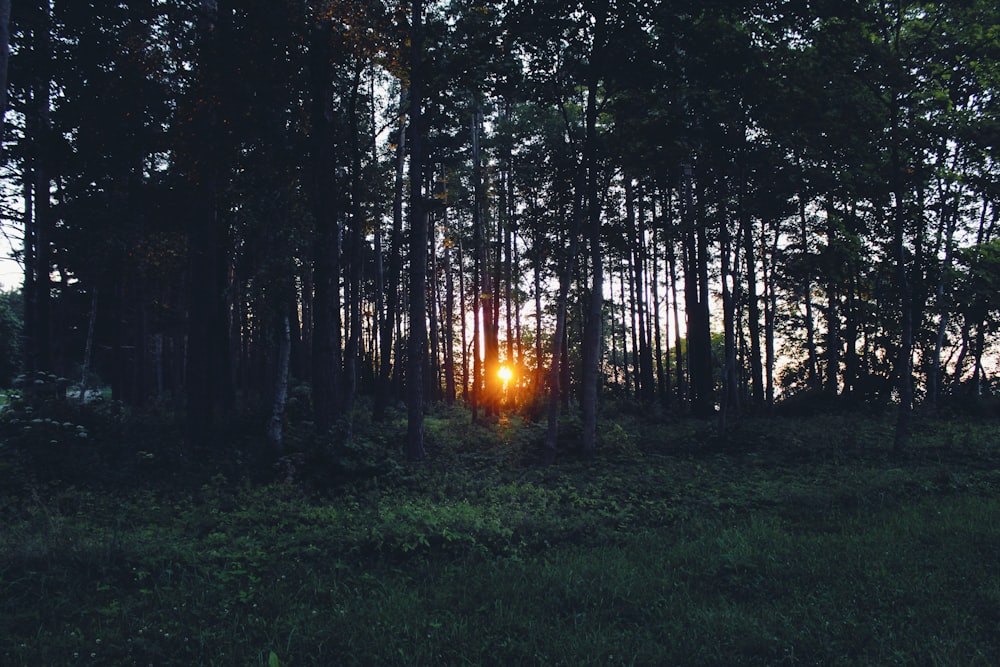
column 326, row 373
column 464, row 325
column 354, row 254
column 678, row 348
column 662, row 374
column 831, row 384
column 432, row 384
column 449, row 321
column 209, row 383
column 812, row 363
column 537, row 280
column 417, row 345
column 904, row 358
column 41, row 341
column 696, row 301
column 489, row 398
column 935, row 371
column 390, row 321
column 628, row 324
column 4, row 59
column 590, row 375
column 556, row 390
column 644, row 369
column 274, row 429
column 730, row 390
column 753, row 304
column 770, row 310
column 89, row 345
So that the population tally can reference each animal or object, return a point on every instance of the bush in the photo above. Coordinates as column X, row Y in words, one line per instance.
column 10, row 337
column 60, row 438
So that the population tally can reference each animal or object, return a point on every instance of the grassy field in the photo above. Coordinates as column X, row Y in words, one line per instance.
column 789, row 542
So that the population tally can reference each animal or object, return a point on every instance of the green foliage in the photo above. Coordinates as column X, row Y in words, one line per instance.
column 56, row 437
column 10, row 336
column 789, row 540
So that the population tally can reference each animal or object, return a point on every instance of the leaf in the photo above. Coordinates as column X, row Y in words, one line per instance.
column 272, row 660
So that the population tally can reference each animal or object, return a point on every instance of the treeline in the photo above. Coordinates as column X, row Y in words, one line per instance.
column 705, row 205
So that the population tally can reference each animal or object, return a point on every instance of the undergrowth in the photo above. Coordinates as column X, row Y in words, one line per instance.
column 783, row 541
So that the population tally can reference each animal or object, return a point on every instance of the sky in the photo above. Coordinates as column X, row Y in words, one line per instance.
column 10, row 273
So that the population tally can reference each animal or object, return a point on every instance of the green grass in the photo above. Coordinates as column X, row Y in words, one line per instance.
column 783, row 544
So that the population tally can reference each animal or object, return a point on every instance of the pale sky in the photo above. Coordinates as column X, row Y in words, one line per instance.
column 10, row 274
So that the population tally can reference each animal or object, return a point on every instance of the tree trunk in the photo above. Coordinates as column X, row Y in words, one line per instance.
column 209, row 370
column 556, row 388
column 4, row 58
column 274, row 429
column 696, row 300
column 89, row 346
column 449, row 319
column 832, row 351
column 730, row 390
column 417, row 347
column 487, row 296
column 590, row 372
column 753, row 303
column 326, row 375
column 355, row 251
column 678, row 347
column 904, row 359
column 812, row 363
column 389, row 324
column 41, row 341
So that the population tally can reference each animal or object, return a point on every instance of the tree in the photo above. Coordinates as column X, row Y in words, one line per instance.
column 417, row 345
column 11, row 327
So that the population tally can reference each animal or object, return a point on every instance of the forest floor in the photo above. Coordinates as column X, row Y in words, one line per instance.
column 791, row 541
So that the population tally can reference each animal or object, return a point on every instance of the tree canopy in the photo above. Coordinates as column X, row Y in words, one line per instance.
column 710, row 208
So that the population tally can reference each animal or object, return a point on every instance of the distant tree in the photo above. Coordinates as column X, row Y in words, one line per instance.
column 11, row 327
column 417, row 346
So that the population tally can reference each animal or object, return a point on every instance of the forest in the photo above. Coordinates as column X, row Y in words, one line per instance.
column 500, row 332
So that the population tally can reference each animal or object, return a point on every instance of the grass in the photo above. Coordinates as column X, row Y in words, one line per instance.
column 788, row 542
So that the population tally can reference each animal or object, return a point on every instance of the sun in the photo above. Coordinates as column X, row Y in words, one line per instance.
column 505, row 374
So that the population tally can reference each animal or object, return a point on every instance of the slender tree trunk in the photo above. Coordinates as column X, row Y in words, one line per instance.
column 326, row 375
column 628, row 325
column 464, row 326
column 696, row 299
column 4, row 58
column 935, row 371
column 590, row 373
column 274, row 430
column 488, row 295
column 812, row 362
column 537, row 275
column 30, row 334
column 832, row 351
column 382, row 390
column 449, row 320
column 770, row 310
column 662, row 378
column 354, row 255
column 644, row 365
column 678, row 346
column 417, row 348
column 42, row 357
column 433, row 377
column 904, row 360
column 730, row 390
column 753, row 303
column 556, row 387
column 209, row 364
column 89, row 346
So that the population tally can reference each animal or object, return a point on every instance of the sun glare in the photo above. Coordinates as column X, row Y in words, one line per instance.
column 505, row 374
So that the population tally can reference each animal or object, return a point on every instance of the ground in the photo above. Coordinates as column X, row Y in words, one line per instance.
column 788, row 541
